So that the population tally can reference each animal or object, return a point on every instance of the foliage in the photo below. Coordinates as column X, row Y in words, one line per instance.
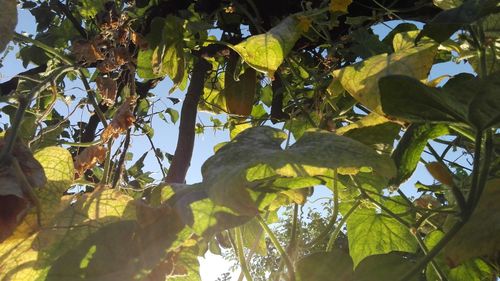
column 310, row 96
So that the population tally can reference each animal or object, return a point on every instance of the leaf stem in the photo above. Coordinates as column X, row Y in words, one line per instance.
column 337, row 230
column 333, row 219
column 434, row 251
column 241, row 255
column 93, row 101
column 280, row 249
column 24, row 102
column 433, row 263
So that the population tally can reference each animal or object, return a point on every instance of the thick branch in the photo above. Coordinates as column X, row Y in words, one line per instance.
column 185, row 142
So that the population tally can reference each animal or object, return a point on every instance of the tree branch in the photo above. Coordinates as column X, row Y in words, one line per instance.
column 185, row 142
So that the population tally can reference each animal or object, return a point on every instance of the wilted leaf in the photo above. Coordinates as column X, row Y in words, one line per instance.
column 265, row 52
column 107, row 89
column 480, row 235
column 89, row 157
column 8, row 21
column 361, row 79
column 123, row 119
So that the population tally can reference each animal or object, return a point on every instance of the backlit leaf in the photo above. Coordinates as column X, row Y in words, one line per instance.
column 266, row 52
column 410, row 147
column 372, row 233
column 361, row 79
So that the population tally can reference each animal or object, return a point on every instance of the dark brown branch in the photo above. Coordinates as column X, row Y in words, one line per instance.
column 185, row 142
column 277, row 113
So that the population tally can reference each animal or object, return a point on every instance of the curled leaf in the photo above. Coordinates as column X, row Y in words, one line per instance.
column 123, row 119
column 89, row 158
column 107, row 89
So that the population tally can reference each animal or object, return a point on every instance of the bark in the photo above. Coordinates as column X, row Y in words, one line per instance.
column 185, row 142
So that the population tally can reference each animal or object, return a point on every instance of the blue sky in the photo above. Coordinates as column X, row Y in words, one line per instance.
column 165, row 136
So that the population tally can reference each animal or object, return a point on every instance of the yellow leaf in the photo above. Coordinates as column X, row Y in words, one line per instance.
column 361, row 79
column 339, row 5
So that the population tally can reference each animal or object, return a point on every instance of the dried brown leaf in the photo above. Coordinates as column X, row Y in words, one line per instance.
column 89, row 158
column 86, row 51
column 123, row 119
column 138, row 40
column 107, row 65
column 122, row 35
column 107, row 88
column 121, row 55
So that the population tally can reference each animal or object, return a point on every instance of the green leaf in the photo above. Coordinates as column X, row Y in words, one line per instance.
column 256, row 152
column 8, row 21
column 174, row 114
column 89, row 8
column 464, row 99
column 57, row 163
column 371, row 232
column 265, row 52
column 136, row 169
column 410, row 147
column 469, row 242
column 384, row 267
column 361, row 79
column 372, row 129
column 442, row 27
column 366, row 44
column 165, row 55
column 322, row 266
column 470, row 270
column 400, row 28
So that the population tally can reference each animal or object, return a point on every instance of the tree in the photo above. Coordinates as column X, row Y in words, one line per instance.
column 314, row 69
